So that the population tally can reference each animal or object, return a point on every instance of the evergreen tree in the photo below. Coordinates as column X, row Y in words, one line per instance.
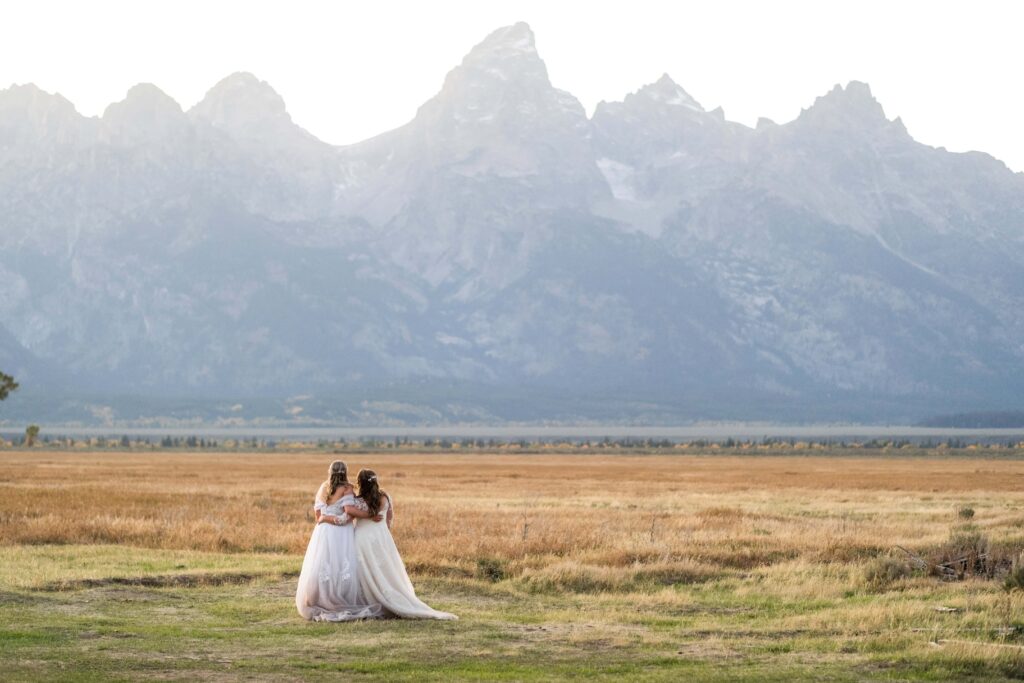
column 7, row 385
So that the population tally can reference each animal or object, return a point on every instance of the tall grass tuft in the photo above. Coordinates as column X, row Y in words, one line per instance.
column 1014, row 580
column 881, row 572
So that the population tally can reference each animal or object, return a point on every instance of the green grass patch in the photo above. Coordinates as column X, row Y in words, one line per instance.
column 83, row 613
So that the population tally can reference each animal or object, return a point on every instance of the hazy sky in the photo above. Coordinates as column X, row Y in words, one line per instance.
column 349, row 70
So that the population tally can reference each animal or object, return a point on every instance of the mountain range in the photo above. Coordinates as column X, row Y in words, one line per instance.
column 501, row 257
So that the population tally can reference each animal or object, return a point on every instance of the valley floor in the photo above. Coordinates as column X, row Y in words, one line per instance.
column 690, row 567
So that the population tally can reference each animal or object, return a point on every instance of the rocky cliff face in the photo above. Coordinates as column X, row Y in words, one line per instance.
column 504, row 256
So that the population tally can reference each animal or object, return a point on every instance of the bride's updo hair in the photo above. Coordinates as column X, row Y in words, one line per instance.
column 337, row 477
column 369, row 491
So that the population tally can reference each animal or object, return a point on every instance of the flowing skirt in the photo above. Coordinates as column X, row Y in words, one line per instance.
column 328, row 587
column 382, row 574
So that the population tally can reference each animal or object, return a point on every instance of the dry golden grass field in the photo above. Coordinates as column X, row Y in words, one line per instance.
column 181, row 566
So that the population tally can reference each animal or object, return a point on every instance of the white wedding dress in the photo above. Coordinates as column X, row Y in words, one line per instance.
column 329, row 587
column 382, row 574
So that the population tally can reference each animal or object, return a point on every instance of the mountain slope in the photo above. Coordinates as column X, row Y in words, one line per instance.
column 502, row 256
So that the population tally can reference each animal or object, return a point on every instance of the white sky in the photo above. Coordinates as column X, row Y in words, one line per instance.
column 349, row 70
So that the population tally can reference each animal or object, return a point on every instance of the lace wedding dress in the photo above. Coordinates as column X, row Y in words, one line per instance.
column 329, row 582
column 382, row 574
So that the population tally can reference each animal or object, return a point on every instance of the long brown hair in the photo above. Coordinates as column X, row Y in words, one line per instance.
column 369, row 491
column 337, row 477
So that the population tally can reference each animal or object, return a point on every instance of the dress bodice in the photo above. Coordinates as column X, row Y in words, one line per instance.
column 337, row 508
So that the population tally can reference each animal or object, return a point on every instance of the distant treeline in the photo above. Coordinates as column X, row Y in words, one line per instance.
column 766, row 444
column 1008, row 419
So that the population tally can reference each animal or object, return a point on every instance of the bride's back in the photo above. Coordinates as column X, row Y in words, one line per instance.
column 338, row 506
column 334, row 503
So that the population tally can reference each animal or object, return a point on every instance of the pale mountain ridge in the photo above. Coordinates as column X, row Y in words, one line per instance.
column 503, row 256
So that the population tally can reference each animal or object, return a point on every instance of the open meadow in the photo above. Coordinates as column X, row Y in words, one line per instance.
column 686, row 566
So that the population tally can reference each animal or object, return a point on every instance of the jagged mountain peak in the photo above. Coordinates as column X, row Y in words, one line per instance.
column 502, row 80
column 516, row 40
column 851, row 104
column 30, row 115
column 242, row 104
column 507, row 55
column 30, row 92
column 150, row 93
column 144, row 101
column 659, row 121
column 664, row 99
column 667, row 91
column 29, row 97
column 243, row 86
column 497, row 117
column 146, row 113
column 856, row 94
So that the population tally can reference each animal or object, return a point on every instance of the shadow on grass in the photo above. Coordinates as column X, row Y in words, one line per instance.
column 165, row 581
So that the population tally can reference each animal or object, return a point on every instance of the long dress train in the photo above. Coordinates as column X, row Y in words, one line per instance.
column 382, row 574
column 328, row 588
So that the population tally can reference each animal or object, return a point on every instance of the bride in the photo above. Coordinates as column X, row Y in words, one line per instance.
column 329, row 584
column 382, row 574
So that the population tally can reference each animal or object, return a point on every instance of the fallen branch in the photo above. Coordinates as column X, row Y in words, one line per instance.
column 922, row 564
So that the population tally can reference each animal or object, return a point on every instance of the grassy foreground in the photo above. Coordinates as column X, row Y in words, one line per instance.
column 119, row 567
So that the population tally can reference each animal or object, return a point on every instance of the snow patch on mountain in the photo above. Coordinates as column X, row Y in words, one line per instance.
column 619, row 177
